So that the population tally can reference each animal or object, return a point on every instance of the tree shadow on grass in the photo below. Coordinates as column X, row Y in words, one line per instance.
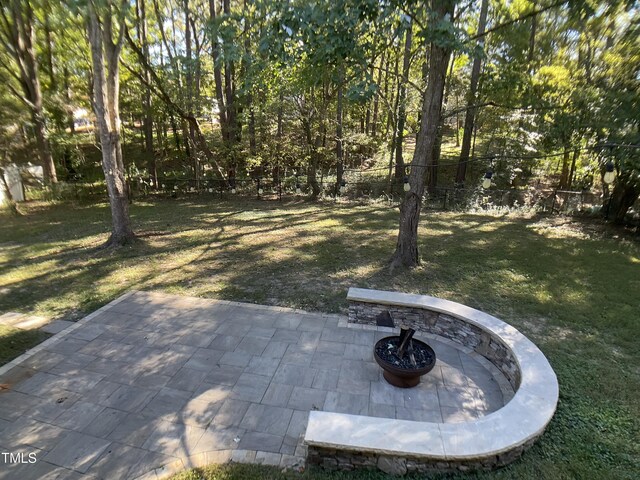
column 14, row 342
column 309, row 258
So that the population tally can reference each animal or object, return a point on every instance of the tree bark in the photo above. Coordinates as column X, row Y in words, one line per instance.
column 406, row 253
column 217, row 77
column 17, row 31
column 532, row 42
column 147, row 122
column 376, row 101
column 624, row 195
column 49, row 48
column 339, row 151
column 230, row 91
column 564, row 176
column 105, row 56
column 402, row 103
column 280, row 130
column 574, row 159
column 393, row 120
column 392, row 117
column 432, row 171
column 246, row 65
column 471, row 101
column 313, row 168
column 67, row 93
column 191, row 141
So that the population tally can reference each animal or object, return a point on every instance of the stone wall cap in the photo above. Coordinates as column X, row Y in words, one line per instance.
column 522, row 419
column 372, row 434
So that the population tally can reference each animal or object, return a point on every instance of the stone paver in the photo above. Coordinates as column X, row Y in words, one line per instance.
column 154, row 379
column 56, row 326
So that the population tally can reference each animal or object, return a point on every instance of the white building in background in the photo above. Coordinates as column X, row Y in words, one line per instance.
column 14, row 175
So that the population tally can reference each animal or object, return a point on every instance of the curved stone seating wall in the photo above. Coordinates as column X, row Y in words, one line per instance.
column 434, row 317
column 346, row 441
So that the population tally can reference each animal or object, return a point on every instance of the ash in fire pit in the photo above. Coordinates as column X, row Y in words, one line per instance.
column 418, row 355
column 403, row 359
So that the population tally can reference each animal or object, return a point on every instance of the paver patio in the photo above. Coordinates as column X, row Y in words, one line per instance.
column 153, row 383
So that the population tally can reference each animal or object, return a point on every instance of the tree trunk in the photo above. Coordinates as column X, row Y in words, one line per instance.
column 67, row 93
column 147, row 121
column 393, row 121
column 280, row 131
column 43, row 144
column 432, row 171
column 18, row 31
column 392, row 117
column 367, row 127
column 217, row 77
column 376, row 100
column 406, row 253
column 532, row 41
column 313, row 168
column 246, row 66
column 457, row 123
column 105, row 56
column 624, row 195
column 191, row 141
column 174, row 130
column 471, row 101
column 402, row 103
column 229, row 91
column 564, row 176
column 339, row 151
column 49, row 48
column 572, row 172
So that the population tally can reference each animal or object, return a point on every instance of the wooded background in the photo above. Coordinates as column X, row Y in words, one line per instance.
column 433, row 94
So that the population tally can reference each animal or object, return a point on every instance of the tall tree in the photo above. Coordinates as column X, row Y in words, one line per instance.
column 376, row 102
column 18, row 37
column 147, row 124
column 217, row 72
column 470, row 114
column 402, row 101
column 230, row 86
column 406, row 253
column 106, row 28
column 339, row 133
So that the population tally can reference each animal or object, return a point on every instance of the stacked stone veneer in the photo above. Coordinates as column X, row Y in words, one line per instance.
column 347, row 460
column 444, row 325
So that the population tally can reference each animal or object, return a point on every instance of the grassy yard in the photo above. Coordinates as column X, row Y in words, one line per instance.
column 570, row 288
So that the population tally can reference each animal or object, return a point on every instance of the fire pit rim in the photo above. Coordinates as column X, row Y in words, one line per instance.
column 408, row 377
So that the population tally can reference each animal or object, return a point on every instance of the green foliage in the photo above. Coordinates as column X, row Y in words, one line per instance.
column 570, row 84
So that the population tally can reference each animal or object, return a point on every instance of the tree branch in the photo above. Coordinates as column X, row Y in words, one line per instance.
column 409, row 82
column 21, row 97
column 159, row 91
column 532, row 13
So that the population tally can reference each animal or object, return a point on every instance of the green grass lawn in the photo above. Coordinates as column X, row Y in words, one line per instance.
column 570, row 288
column 14, row 342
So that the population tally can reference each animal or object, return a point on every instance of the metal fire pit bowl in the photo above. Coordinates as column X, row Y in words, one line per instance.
column 403, row 377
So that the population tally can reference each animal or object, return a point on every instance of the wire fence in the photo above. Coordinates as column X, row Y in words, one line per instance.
column 444, row 198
